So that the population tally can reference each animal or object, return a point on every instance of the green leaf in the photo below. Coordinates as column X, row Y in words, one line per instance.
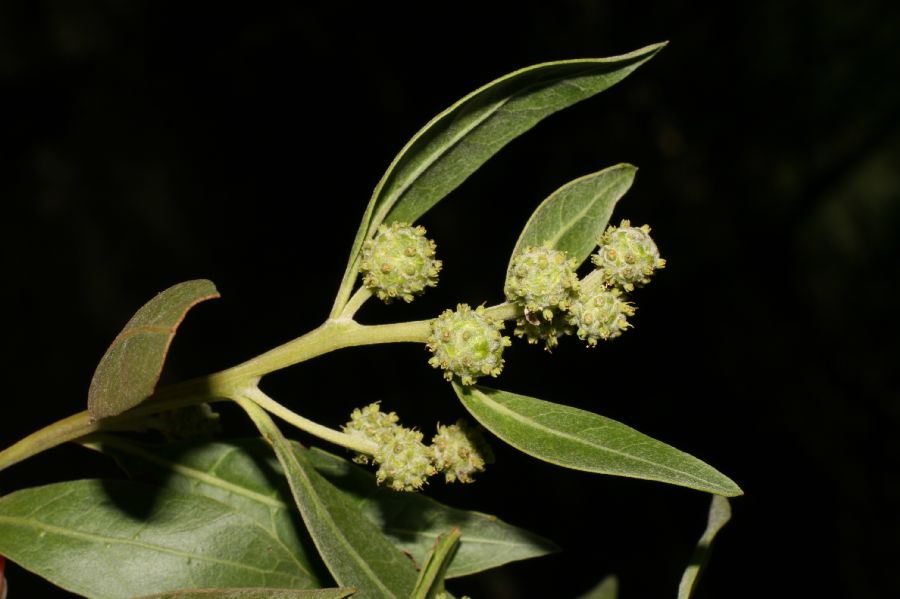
column 111, row 539
column 414, row 521
column 574, row 216
column 719, row 515
column 607, row 589
column 430, row 584
column 577, row 439
column 245, row 476
column 129, row 370
column 357, row 554
column 256, row 593
column 455, row 143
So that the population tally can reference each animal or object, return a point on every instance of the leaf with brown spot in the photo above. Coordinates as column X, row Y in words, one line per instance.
column 129, row 370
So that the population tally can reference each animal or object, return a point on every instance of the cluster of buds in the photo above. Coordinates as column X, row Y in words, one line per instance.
column 399, row 262
column 555, row 303
column 467, row 343
column 404, row 461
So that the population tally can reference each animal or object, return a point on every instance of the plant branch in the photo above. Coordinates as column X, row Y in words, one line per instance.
column 255, row 395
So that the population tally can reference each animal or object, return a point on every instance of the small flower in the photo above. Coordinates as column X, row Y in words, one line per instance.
column 399, row 262
column 627, row 256
column 467, row 343
column 602, row 315
column 459, row 451
column 540, row 279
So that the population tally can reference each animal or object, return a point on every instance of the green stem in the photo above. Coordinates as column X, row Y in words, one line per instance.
column 355, row 303
column 357, row 444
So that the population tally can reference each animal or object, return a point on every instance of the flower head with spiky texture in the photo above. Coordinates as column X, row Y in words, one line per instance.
column 601, row 315
column 399, row 262
column 404, row 462
column 534, row 329
column 542, row 279
column 467, row 343
column 627, row 256
column 459, row 451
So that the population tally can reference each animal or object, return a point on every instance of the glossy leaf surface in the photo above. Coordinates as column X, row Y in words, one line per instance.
column 581, row 440
column 116, row 539
column 129, row 370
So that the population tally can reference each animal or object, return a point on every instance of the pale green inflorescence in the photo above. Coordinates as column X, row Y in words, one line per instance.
column 542, row 279
column 467, row 343
column 601, row 315
column 534, row 328
column 627, row 256
column 404, row 462
column 459, row 452
column 399, row 262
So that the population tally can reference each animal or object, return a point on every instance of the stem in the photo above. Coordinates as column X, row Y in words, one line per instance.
column 355, row 303
column 357, row 444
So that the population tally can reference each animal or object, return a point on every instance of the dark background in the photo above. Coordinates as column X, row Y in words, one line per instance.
column 146, row 143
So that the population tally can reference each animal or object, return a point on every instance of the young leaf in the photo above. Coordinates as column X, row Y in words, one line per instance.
column 719, row 515
column 357, row 554
column 581, row 440
column 430, row 584
column 256, row 593
column 455, row 143
column 607, row 589
column 128, row 372
column 413, row 521
column 245, row 476
column 111, row 539
column 574, row 216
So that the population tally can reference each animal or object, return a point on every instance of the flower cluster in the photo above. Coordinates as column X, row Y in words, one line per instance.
column 467, row 343
column 555, row 303
column 405, row 462
column 399, row 262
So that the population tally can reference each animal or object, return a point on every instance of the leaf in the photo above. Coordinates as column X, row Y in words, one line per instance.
column 574, row 216
column 607, row 589
column 111, row 539
column 240, row 473
column 257, row 593
column 129, row 370
column 719, row 515
column 356, row 552
column 455, row 143
column 577, row 439
column 414, row 521
column 430, row 584
column 244, row 476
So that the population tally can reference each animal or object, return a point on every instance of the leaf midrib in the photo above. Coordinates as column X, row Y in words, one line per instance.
column 515, row 415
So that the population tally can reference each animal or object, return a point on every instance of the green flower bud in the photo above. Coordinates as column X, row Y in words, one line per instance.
column 466, row 343
column 540, row 279
column 627, row 256
column 459, row 451
column 534, row 329
column 404, row 461
column 603, row 315
column 399, row 262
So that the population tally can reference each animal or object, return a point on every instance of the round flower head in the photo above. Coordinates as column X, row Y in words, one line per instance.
column 627, row 256
column 399, row 262
column 459, row 451
column 603, row 315
column 404, row 461
column 466, row 343
column 542, row 278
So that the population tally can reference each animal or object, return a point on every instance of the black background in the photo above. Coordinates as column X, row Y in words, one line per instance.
column 146, row 143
